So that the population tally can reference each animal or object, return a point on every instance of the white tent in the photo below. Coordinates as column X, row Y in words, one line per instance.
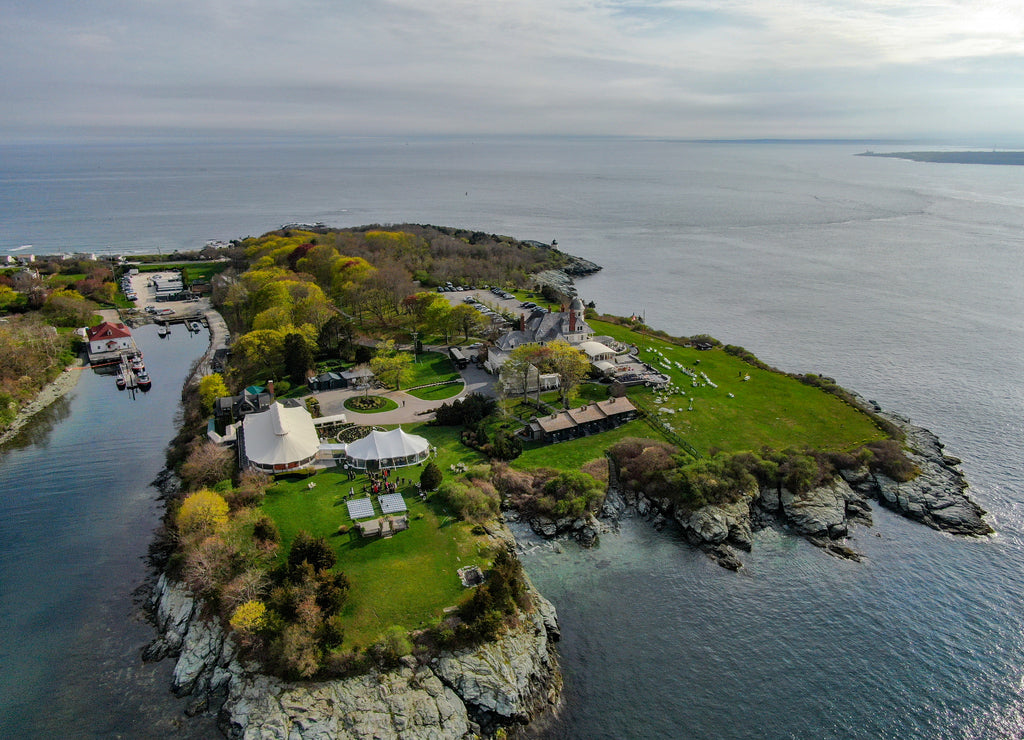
column 387, row 450
column 280, row 438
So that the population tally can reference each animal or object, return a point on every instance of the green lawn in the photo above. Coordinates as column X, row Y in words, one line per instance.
column 437, row 392
column 406, row 580
column 431, row 367
column 769, row 409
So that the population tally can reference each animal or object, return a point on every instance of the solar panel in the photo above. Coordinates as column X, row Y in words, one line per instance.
column 360, row 508
column 392, row 503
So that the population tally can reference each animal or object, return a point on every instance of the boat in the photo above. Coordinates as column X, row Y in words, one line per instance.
column 195, row 326
column 137, row 364
column 143, row 379
column 163, row 331
column 121, row 382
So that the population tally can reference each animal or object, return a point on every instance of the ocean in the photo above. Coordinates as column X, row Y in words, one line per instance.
column 902, row 280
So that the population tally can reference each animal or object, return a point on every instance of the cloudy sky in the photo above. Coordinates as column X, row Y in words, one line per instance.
column 678, row 68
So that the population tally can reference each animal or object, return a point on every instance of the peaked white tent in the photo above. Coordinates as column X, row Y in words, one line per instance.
column 392, row 449
column 280, row 438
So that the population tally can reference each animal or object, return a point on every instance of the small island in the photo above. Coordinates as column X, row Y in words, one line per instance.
column 993, row 157
column 336, row 557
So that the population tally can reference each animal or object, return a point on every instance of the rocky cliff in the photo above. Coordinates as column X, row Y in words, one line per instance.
column 461, row 694
column 936, row 497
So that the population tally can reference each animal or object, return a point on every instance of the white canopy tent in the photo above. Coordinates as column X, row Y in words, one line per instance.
column 392, row 449
column 280, row 438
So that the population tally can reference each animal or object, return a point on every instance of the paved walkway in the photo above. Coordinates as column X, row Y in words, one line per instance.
column 410, row 409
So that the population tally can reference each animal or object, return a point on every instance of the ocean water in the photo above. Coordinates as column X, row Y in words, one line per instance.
column 902, row 280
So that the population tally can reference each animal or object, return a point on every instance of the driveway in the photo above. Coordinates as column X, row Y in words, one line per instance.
column 410, row 409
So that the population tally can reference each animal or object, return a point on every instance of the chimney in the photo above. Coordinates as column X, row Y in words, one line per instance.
column 270, row 388
column 572, row 321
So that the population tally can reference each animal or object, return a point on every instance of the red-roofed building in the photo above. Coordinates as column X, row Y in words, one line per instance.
column 109, row 337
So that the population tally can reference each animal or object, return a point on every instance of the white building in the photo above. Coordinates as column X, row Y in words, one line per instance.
column 279, row 439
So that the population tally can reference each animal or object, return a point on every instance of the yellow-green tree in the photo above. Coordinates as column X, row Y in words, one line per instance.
column 249, row 617
column 202, row 512
column 391, row 366
column 571, row 365
column 211, row 387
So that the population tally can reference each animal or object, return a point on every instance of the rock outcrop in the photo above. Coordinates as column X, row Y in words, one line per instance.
column 937, row 496
column 506, row 682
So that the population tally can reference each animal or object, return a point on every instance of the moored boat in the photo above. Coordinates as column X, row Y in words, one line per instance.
column 120, row 381
column 163, row 331
column 143, row 379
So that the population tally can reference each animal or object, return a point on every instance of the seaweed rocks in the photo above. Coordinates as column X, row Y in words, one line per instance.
column 584, row 529
column 506, row 682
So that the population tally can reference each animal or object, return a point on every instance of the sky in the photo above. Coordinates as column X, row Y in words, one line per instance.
column 871, row 69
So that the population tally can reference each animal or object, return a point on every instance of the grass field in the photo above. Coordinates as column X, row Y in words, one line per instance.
column 769, row 409
column 408, row 579
column 438, row 392
column 431, row 367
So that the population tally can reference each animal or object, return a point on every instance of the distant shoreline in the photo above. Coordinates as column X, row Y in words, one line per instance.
column 1002, row 158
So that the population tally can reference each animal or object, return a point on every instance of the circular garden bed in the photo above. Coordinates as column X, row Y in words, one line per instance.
column 369, row 404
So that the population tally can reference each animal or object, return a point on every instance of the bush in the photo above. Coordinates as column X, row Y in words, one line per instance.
column 506, row 446
column 249, row 617
column 888, row 458
column 468, row 411
column 476, row 501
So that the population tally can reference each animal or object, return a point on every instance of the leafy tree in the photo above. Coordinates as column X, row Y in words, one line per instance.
column 211, row 387
column 506, row 446
column 249, row 617
column 571, row 365
column 298, row 357
column 202, row 511
column 467, row 319
column 391, row 366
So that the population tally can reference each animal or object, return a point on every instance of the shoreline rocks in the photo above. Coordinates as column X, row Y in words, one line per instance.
column 505, row 683
column 937, row 497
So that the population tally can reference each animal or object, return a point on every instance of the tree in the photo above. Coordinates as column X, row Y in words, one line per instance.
column 571, row 365
column 391, row 366
column 313, row 550
column 431, row 477
column 211, row 387
column 202, row 512
column 207, row 463
column 298, row 357
column 467, row 319
column 439, row 319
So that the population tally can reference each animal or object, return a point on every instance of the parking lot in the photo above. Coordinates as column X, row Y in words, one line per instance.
column 491, row 303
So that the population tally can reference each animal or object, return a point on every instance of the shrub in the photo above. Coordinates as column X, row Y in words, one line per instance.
column 265, row 530
column 391, row 647
column 889, row 459
column 476, row 501
column 506, row 446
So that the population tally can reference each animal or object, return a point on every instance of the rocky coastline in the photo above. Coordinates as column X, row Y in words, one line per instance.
column 936, row 497
column 504, row 684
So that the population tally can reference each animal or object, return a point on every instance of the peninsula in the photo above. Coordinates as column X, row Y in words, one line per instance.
column 993, row 157
column 335, row 559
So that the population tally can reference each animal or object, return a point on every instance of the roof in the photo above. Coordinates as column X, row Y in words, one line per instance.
column 108, row 330
column 357, row 372
column 583, row 415
column 387, row 445
column 280, row 435
column 595, row 348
